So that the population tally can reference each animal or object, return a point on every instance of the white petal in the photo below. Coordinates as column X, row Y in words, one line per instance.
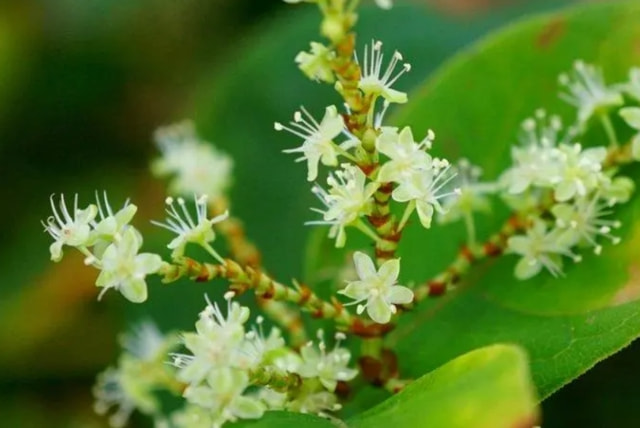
column 389, row 271
column 134, row 289
column 379, row 310
column 399, row 295
column 364, row 265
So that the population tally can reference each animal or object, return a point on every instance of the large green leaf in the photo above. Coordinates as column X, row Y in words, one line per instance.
column 485, row 388
column 476, row 104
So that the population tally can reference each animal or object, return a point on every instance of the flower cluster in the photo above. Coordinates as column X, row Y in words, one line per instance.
column 107, row 240
column 421, row 181
column 141, row 370
column 194, row 165
column 557, row 172
column 232, row 373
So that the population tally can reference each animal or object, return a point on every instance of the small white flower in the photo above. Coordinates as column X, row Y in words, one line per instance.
column 579, row 171
column 405, row 155
column 111, row 391
column 261, row 349
column 123, row 269
column 633, row 86
column 539, row 249
column 329, row 367
column 223, row 395
column 318, row 145
column 73, row 231
column 534, row 161
column 425, row 190
column 141, row 371
column 472, row 194
column 146, row 342
column 217, row 342
column 631, row 115
column 198, row 231
column 196, row 166
column 316, row 63
column 377, row 289
column 582, row 222
column 109, row 226
column 376, row 82
column 349, row 198
column 587, row 91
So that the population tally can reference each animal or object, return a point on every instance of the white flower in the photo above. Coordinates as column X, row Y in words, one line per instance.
column 110, row 225
column 376, row 82
column 582, row 222
column 406, row 155
column 217, row 342
column 472, row 195
column 631, row 115
column 539, row 249
column 316, row 64
column 318, row 145
column 349, row 198
column 223, row 395
column 124, row 269
column 264, row 349
column 633, row 86
column 198, row 231
column 377, row 289
column 146, row 342
column 111, row 391
column 141, row 371
column 579, row 171
column 587, row 91
column 73, row 231
column 534, row 161
column 196, row 166
column 328, row 367
column 424, row 190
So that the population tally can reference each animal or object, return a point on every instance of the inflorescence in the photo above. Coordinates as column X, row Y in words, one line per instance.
column 563, row 193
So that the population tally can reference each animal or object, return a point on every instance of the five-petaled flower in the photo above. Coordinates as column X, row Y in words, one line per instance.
column 377, row 291
column 349, row 198
column 73, row 231
column 198, row 231
column 123, row 269
column 318, row 145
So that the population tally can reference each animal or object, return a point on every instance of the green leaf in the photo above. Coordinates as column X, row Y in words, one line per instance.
column 488, row 387
column 475, row 104
column 284, row 420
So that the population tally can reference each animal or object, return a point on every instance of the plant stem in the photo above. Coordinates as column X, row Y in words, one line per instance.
column 608, row 128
